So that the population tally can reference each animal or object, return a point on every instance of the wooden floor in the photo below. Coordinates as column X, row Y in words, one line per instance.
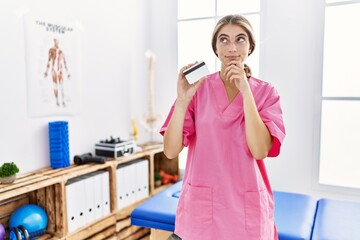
column 159, row 234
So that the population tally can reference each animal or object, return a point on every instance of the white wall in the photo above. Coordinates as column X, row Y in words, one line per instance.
column 162, row 40
column 114, row 40
column 291, row 59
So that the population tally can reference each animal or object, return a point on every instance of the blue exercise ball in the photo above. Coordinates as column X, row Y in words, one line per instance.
column 31, row 216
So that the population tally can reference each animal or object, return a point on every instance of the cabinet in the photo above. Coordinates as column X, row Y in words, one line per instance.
column 47, row 188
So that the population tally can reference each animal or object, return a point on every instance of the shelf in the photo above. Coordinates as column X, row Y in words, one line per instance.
column 162, row 187
column 93, row 228
column 46, row 188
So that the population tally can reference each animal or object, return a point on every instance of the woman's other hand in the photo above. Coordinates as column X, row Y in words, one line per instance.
column 235, row 74
column 186, row 91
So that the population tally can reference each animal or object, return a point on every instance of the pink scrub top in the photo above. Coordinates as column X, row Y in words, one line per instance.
column 226, row 193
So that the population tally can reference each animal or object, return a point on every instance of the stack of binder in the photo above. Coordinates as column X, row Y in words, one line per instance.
column 59, row 144
column 132, row 182
column 87, row 199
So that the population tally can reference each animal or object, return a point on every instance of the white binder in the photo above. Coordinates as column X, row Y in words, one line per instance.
column 131, row 183
column 137, row 180
column 98, row 210
column 126, row 185
column 144, row 179
column 80, row 199
column 88, row 183
column 105, row 189
column 141, row 178
column 75, row 197
column 120, row 187
column 72, row 218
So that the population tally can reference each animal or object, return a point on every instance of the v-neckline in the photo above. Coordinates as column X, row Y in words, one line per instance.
column 229, row 91
column 224, row 105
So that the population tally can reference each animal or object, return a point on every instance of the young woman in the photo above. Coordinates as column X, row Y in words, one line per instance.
column 230, row 121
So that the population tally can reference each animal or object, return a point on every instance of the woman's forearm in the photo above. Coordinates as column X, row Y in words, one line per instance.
column 258, row 136
column 173, row 137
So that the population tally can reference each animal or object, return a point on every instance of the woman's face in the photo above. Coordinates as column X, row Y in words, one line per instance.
column 232, row 44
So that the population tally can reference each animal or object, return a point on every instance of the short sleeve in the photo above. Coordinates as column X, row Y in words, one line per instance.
column 271, row 114
column 189, row 127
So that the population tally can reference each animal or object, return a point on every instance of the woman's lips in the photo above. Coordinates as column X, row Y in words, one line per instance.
column 233, row 57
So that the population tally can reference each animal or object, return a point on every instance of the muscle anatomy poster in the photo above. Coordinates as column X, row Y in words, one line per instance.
column 52, row 56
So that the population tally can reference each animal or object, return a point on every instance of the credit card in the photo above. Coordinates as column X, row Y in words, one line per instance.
column 196, row 72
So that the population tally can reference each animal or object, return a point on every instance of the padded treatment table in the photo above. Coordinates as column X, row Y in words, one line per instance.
column 337, row 220
column 294, row 215
column 159, row 211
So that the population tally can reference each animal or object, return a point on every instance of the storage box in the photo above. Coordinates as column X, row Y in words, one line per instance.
column 114, row 150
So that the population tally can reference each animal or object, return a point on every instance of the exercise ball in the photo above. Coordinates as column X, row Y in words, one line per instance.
column 2, row 232
column 32, row 217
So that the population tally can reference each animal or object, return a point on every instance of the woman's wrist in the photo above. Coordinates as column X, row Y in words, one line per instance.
column 182, row 103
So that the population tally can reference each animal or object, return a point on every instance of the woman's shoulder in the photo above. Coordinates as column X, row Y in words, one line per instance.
column 212, row 76
column 258, row 85
column 259, row 82
column 211, row 79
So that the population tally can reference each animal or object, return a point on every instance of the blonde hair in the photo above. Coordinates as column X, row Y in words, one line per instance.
column 240, row 21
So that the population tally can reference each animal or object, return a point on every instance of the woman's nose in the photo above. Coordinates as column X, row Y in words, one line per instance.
column 232, row 47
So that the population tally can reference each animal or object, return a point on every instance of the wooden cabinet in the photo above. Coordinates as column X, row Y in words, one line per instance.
column 46, row 188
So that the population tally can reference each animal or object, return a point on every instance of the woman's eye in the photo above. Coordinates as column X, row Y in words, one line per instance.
column 240, row 39
column 223, row 40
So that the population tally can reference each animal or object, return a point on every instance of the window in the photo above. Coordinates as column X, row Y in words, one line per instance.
column 340, row 114
column 196, row 21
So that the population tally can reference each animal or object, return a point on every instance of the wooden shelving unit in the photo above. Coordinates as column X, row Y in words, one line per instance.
column 46, row 188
